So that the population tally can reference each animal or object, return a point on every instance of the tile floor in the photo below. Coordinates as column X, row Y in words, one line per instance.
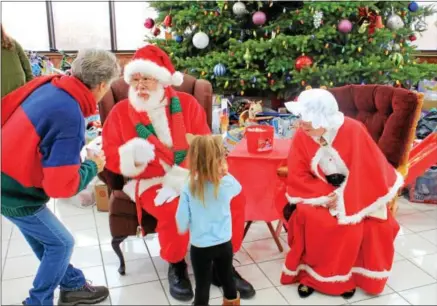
column 413, row 280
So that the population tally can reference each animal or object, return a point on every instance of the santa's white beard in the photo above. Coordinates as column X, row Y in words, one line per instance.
column 144, row 105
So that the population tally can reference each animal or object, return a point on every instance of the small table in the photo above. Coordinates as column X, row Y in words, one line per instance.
column 257, row 174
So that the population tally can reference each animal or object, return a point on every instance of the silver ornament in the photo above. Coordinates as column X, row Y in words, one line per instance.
column 395, row 22
column 396, row 47
column 239, row 8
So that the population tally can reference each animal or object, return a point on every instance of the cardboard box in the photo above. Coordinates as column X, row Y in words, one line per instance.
column 429, row 104
column 102, row 197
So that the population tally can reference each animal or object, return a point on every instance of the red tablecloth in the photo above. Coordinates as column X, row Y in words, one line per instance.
column 257, row 175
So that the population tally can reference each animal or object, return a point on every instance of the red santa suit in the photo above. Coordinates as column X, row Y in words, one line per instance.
column 351, row 246
column 148, row 145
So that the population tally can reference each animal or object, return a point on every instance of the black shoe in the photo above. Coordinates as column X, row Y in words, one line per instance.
column 86, row 295
column 180, row 285
column 243, row 286
column 349, row 294
column 304, row 291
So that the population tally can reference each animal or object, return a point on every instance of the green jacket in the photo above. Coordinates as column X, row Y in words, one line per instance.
column 16, row 70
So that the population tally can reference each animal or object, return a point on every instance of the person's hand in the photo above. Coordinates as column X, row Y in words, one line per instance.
column 332, row 203
column 165, row 195
column 100, row 161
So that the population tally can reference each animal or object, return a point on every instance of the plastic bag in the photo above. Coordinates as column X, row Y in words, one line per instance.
column 426, row 125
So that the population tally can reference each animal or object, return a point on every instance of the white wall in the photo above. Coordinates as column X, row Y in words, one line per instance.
column 427, row 41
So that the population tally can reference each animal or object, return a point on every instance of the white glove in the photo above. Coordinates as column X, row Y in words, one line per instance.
column 144, row 152
column 165, row 195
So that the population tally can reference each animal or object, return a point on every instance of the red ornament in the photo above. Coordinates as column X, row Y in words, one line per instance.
column 303, row 61
column 272, row 82
column 149, row 23
column 412, row 37
column 156, row 31
column 167, row 21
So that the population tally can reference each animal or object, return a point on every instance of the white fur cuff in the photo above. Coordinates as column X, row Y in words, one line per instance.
column 136, row 151
column 176, row 178
column 312, row 201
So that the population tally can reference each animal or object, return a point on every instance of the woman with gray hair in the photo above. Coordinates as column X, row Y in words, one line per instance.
column 43, row 130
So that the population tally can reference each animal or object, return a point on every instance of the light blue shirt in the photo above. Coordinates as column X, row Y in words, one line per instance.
column 209, row 223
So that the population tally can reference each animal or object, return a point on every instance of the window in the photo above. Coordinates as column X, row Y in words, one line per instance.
column 427, row 40
column 129, row 23
column 81, row 25
column 27, row 26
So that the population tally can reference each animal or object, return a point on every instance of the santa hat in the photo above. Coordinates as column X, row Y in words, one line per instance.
column 152, row 61
column 317, row 106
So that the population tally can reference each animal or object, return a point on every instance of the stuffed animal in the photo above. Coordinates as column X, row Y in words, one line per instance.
column 249, row 115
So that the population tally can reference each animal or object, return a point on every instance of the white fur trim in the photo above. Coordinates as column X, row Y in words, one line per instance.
column 376, row 209
column 177, row 79
column 135, row 150
column 129, row 187
column 377, row 205
column 337, row 278
column 147, row 68
column 176, row 178
column 159, row 120
column 313, row 201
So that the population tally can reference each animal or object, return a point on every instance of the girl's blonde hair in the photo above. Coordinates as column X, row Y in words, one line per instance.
column 206, row 158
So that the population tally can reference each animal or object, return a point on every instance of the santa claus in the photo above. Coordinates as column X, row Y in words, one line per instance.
column 340, row 232
column 145, row 140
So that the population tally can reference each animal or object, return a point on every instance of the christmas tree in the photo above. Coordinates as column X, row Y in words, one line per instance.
column 278, row 48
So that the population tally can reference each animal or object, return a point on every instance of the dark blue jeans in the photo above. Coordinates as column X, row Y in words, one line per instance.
column 53, row 244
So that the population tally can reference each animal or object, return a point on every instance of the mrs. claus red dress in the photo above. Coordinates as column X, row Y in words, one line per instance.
column 352, row 246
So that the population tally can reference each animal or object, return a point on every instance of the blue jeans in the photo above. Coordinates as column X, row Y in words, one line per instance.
column 53, row 244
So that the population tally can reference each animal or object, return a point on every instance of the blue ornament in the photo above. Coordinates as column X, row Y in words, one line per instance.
column 288, row 78
column 413, row 6
column 179, row 38
column 192, row 70
column 219, row 70
column 254, row 80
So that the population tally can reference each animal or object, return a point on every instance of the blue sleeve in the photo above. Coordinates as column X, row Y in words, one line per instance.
column 231, row 186
column 183, row 212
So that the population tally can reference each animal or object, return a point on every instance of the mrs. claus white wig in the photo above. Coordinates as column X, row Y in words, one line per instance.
column 317, row 106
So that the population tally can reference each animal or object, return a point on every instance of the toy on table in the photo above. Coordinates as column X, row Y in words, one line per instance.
column 249, row 116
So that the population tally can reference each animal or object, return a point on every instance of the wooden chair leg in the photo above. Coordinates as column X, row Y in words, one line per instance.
column 275, row 237
column 279, row 228
column 115, row 243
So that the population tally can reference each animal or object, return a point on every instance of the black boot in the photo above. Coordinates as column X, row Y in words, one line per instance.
column 349, row 294
column 86, row 295
column 243, row 286
column 180, row 285
column 304, row 291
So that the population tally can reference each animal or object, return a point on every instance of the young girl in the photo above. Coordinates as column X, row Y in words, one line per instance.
column 204, row 210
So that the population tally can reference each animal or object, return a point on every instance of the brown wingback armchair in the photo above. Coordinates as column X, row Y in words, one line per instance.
column 123, row 220
column 390, row 115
